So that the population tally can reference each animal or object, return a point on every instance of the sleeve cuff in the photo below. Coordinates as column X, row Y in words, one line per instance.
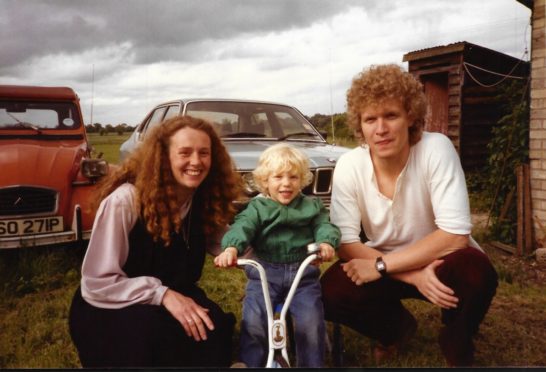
column 158, row 296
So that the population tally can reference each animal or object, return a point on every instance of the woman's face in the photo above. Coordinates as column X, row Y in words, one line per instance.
column 190, row 156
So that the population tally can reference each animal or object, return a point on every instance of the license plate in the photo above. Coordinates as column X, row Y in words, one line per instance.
column 29, row 226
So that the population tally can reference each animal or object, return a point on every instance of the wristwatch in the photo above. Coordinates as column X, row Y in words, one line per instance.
column 380, row 266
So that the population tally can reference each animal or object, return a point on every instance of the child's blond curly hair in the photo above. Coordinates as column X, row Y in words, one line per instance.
column 281, row 158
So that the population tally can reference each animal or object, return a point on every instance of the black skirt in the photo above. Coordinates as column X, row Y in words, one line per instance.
column 147, row 336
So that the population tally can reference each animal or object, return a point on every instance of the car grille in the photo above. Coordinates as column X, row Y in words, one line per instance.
column 322, row 182
column 27, row 200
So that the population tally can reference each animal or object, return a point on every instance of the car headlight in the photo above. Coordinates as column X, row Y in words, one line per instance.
column 94, row 168
column 249, row 186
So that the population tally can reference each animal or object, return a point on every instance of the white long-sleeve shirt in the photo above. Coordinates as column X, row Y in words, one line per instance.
column 430, row 193
column 103, row 283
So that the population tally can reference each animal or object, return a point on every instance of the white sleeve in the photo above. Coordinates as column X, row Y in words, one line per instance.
column 344, row 207
column 104, row 284
column 449, row 195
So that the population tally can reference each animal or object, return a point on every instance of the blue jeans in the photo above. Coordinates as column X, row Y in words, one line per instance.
column 306, row 310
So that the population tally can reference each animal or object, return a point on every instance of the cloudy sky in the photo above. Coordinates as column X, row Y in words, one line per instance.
column 123, row 57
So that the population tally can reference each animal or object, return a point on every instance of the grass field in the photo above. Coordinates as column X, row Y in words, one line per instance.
column 37, row 285
column 108, row 145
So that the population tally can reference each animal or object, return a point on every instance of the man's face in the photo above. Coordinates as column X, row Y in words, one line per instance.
column 385, row 127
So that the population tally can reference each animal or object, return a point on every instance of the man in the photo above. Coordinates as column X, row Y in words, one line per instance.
column 406, row 189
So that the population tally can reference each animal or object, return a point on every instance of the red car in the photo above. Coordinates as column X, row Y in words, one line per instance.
column 47, row 175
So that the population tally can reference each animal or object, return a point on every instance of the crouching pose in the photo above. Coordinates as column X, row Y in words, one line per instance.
column 139, row 304
column 279, row 224
column 407, row 190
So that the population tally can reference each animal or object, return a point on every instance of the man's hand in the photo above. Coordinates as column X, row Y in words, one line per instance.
column 227, row 258
column 361, row 270
column 189, row 314
column 432, row 288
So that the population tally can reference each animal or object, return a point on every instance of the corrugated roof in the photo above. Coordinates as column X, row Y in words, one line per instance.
column 434, row 51
column 446, row 49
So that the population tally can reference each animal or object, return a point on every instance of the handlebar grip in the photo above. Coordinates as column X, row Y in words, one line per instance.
column 312, row 248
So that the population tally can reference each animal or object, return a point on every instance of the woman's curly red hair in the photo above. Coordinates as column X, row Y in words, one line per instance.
column 149, row 170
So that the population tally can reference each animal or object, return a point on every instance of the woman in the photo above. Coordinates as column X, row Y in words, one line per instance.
column 139, row 304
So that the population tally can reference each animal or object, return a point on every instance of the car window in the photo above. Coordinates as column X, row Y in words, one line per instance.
column 38, row 115
column 172, row 111
column 233, row 119
column 259, row 123
column 225, row 123
column 291, row 125
column 156, row 118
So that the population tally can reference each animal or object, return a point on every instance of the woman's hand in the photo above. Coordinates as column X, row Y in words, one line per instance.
column 432, row 288
column 189, row 314
column 361, row 270
column 227, row 258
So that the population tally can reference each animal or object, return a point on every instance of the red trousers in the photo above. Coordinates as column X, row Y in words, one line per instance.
column 375, row 310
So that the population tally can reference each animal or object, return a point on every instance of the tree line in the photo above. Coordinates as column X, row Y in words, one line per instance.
column 108, row 128
column 322, row 122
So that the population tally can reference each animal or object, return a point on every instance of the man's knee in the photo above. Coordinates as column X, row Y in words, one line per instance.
column 468, row 271
column 333, row 282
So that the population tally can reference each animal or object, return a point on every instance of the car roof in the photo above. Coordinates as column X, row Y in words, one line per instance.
column 187, row 100
column 37, row 92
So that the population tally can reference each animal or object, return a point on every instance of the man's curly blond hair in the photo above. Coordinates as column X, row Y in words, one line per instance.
column 378, row 83
column 281, row 158
column 149, row 170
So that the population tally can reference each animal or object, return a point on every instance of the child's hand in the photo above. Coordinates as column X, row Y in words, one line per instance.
column 327, row 252
column 227, row 258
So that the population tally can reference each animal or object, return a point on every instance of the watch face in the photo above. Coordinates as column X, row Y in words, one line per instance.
column 380, row 266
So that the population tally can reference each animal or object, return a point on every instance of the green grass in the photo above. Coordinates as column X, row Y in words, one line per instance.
column 108, row 145
column 38, row 285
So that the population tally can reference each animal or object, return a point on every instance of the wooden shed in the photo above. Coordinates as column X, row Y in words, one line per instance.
column 461, row 81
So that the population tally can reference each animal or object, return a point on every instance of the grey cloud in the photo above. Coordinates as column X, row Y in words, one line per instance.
column 35, row 28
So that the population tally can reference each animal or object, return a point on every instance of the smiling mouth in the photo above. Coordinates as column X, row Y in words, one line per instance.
column 192, row 172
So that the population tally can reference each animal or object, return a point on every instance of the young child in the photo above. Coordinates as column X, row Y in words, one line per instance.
column 279, row 223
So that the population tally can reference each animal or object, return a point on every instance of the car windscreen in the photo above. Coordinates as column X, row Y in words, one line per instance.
column 233, row 119
column 38, row 115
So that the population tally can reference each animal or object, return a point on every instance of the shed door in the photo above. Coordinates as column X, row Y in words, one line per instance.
column 436, row 90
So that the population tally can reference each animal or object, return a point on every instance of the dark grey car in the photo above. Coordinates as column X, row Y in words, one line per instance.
column 249, row 127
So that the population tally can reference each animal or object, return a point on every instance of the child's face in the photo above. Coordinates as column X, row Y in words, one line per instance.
column 283, row 187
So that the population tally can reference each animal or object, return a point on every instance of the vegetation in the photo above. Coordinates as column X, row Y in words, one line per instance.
column 108, row 128
column 341, row 134
column 38, row 285
column 508, row 149
column 107, row 146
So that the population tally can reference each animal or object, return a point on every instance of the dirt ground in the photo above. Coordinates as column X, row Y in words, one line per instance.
column 522, row 269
